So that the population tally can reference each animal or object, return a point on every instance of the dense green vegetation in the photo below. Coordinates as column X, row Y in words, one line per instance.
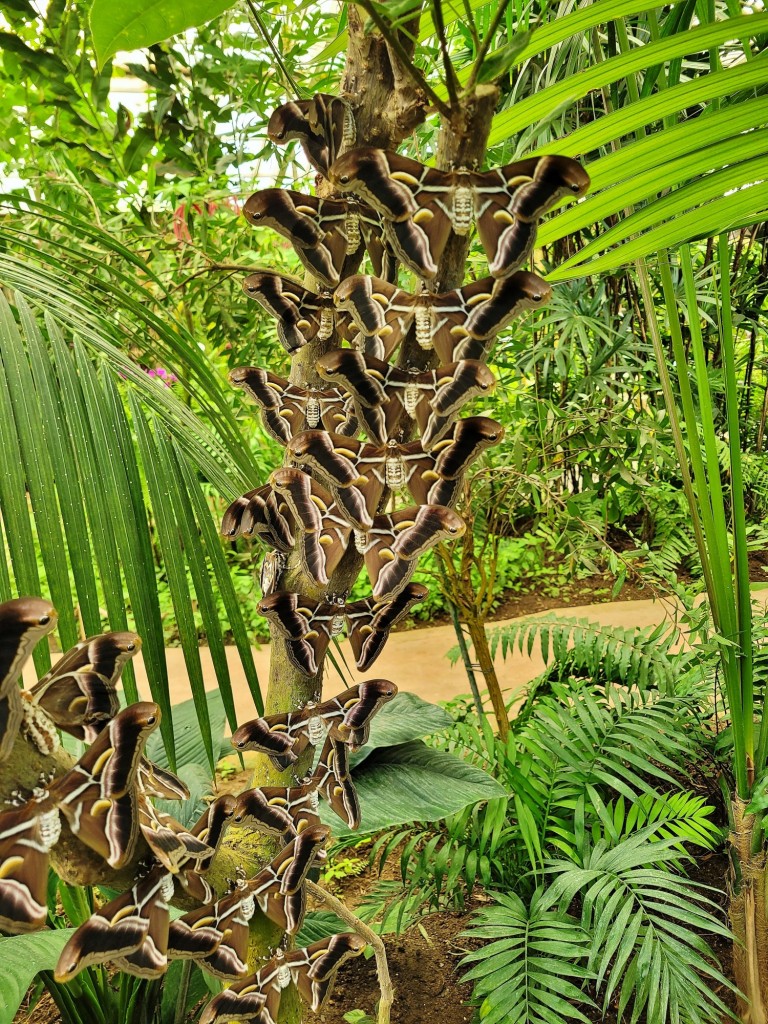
column 634, row 407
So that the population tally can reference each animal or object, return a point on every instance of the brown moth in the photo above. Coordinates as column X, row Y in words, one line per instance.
column 98, row 796
column 312, row 969
column 172, row 845
column 80, row 691
column 216, row 935
column 261, row 512
column 130, row 931
column 422, row 206
column 323, row 531
column 323, row 125
column 347, row 715
column 281, row 811
column 302, row 315
column 308, row 626
column 327, row 234
column 23, row 622
column 369, row 622
column 357, row 473
column 380, row 392
column 27, row 834
column 209, row 829
column 287, row 409
column 396, row 541
column 333, row 777
column 459, row 324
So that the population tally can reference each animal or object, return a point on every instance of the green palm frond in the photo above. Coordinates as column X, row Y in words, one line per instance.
column 683, row 816
column 646, row 927
column 97, row 288
column 534, row 968
column 662, row 82
column 79, row 498
column 632, row 657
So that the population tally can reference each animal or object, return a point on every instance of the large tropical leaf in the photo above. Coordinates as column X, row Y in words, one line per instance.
column 22, row 957
column 413, row 782
column 407, row 718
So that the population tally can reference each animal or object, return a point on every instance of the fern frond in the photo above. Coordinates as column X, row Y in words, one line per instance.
column 532, row 969
column 646, row 927
column 683, row 816
column 632, row 657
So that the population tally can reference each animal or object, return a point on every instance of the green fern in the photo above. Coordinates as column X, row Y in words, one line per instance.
column 534, row 968
column 646, row 928
column 632, row 657
column 685, row 817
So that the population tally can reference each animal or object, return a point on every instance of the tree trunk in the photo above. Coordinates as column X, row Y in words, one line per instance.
column 747, row 913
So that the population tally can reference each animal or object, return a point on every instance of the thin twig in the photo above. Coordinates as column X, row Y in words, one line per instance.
column 485, row 45
column 451, row 81
column 394, row 44
column 382, row 970
column 471, row 25
column 275, row 52
column 222, row 268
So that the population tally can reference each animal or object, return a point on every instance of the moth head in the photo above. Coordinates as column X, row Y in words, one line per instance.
column 146, row 713
column 29, row 613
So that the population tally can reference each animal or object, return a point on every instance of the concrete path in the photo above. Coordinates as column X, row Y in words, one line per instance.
column 414, row 659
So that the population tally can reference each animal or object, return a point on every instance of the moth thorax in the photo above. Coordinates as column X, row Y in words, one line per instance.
column 411, row 398
column 282, row 975
column 348, row 130
column 423, row 324
column 316, row 730
column 361, row 541
column 50, row 828
column 463, row 209
column 312, row 411
column 352, row 228
column 166, row 888
column 326, row 323
column 248, row 907
column 394, row 472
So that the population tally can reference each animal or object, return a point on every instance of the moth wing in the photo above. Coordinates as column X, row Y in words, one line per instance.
column 335, row 782
column 455, row 385
column 26, row 835
column 23, row 622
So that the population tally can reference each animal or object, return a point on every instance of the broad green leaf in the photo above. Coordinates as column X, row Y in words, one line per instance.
column 134, row 24
column 22, row 956
column 188, row 742
column 319, row 924
column 405, row 718
column 413, row 782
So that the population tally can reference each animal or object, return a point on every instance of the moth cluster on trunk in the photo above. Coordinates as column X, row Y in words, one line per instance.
column 388, row 497
column 107, row 800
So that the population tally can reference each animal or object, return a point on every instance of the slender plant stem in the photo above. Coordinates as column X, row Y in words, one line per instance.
column 451, row 81
column 382, row 969
column 471, row 24
column 256, row 18
column 738, row 523
column 405, row 60
column 501, row 10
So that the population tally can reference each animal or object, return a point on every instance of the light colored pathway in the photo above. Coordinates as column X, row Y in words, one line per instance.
column 414, row 659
